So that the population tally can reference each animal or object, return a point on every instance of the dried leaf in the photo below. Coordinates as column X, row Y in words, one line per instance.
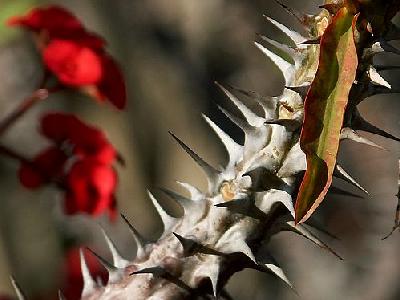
column 324, row 111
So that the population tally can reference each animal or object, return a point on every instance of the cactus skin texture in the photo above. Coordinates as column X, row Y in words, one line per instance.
column 225, row 229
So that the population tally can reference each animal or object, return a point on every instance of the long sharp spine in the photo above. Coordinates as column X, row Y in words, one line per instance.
column 139, row 240
column 286, row 68
column 118, row 260
column 210, row 171
column 339, row 172
column 167, row 220
column 278, row 272
column 18, row 291
column 285, row 48
column 250, row 116
column 300, row 229
column 89, row 284
column 350, row 134
column 114, row 273
column 186, row 203
column 296, row 37
column 234, row 149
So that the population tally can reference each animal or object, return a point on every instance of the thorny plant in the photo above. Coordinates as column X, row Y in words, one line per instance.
column 272, row 183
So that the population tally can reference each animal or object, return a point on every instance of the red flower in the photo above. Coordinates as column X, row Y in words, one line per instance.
column 80, row 162
column 72, row 63
column 75, row 56
column 90, row 188
column 73, row 282
column 58, row 126
column 55, row 20
column 112, row 85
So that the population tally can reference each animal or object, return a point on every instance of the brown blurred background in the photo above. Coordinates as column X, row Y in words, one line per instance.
column 171, row 52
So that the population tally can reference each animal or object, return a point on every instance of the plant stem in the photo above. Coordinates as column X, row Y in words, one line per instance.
column 26, row 104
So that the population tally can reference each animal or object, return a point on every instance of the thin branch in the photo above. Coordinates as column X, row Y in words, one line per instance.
column 26, row 104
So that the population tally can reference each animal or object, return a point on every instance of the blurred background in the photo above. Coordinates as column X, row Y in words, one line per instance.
column 171, row 52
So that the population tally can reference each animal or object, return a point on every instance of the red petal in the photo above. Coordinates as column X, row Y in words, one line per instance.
column 112, row 86
column 72, row 63
column 29, row 177
column 54, row 19
column 57, row 126
column 91, row 188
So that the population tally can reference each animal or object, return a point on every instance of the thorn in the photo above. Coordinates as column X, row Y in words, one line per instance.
column 315, row 41
column 244, row 207
column 277, row 271
column 167, row 220
column 195, row 194
column 350, row 134
column 118, row 261
column 359, row 123
column 379, row 47
column 17, row 288
column 243, row 125
column 290, row 124
column 287, row 69
column 269, row 104
column 302, row 18
column 213, row 275
column 293, row 35
column 397, row 214
column 377, row 79
column 61, row 295
column 340, row 173
column 301, row 90
column 249, row 115
column 164, row 274
column 139, row 240
column 233, row 241
column 283, row 47
column 299, row 229
column 114, row 273
column 89, row 284
column 191, row 247
column 268, row 199
column 188, row 205
column 234, row 149
column 339, row 191
column 208, row 170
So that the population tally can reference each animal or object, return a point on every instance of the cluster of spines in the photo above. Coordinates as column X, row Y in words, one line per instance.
column 245, row 210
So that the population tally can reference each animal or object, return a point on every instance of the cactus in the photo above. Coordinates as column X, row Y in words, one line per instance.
column 226, row 229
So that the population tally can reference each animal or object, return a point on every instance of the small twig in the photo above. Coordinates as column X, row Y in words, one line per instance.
column 5, row 151
column 26, row 104
column 397, row 215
